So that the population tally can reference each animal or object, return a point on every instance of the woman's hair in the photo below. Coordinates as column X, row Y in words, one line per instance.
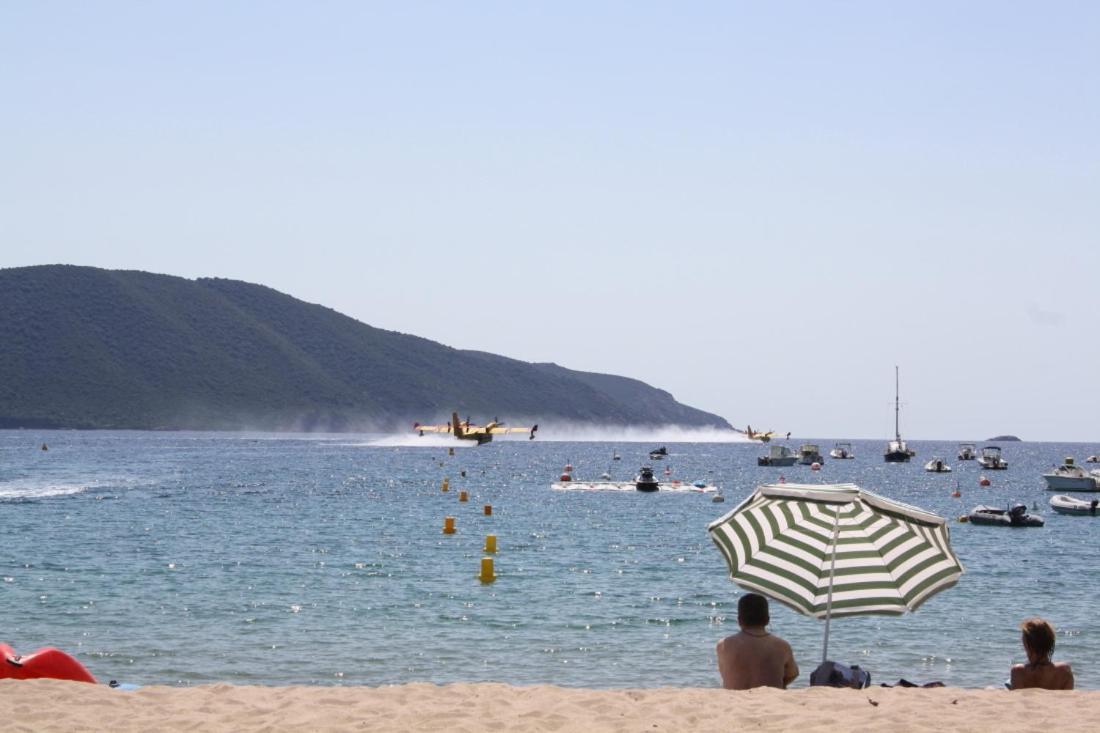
column 1038, row 636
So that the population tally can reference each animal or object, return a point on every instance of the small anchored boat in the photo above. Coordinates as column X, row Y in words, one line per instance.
column 809, row 454
column 658, row 453
column 841, row 451
column 937, row 465
column 1071, row 477
column 778, row 455
column 1064, row 504
column 991, row 458
column 1014, row 516
column 967, row 452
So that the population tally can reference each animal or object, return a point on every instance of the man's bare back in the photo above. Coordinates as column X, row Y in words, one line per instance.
column 755, row 658
column 1044, row 675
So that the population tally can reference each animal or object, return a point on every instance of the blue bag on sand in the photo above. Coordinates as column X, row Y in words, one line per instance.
column 834, row 674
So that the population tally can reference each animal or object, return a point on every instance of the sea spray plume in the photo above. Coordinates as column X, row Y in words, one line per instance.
column 588, row 433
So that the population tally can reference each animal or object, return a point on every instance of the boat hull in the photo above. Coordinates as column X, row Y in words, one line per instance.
column 995, row 517
column 896, row 457
column 1070, row 483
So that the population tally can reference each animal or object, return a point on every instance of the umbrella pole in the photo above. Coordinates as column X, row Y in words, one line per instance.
column 832, row 577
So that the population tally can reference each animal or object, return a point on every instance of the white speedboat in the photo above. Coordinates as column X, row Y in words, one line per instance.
column 1070, row 505
column 937, row 465
column 842, row 451
column 778, row 455
column 1092, row 459
column 1071, row 477
column 967, row 452
column 809, row 454
column 991, row 458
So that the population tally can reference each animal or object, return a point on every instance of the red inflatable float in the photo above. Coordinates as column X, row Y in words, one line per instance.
column 45, row 662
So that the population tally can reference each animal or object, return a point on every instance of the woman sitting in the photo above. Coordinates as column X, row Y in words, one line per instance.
column 1040, row 671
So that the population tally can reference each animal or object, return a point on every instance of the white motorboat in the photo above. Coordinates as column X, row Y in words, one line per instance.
column 1092, row 459
column 1071, row 477
column 809, row 454
column 967, row 452
column 778, row 455
column 937, row 465
column 991, row 458
column 896, row 450
column 1070, row 505
column 842, row 451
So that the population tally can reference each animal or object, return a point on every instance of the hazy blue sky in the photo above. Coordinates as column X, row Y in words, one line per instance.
column 759, row 207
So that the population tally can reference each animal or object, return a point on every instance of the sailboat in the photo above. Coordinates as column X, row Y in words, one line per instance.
column 896, row 450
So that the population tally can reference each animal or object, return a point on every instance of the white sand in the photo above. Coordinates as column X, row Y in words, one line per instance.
column 51, row 705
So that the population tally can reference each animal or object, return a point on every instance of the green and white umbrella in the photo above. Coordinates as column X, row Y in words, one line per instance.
column 836, row 550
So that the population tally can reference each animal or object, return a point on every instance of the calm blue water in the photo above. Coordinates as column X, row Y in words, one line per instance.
column 166, row 558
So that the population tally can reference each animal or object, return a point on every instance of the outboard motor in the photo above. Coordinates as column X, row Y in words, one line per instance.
column 1017, row 513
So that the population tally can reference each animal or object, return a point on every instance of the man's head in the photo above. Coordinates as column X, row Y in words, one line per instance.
column 752, row 610
column 1038, row 637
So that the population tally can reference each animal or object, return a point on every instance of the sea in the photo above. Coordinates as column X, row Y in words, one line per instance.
column 183, row 558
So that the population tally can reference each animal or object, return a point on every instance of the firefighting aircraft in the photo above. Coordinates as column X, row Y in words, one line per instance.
column 468, row 431
column 762, row 437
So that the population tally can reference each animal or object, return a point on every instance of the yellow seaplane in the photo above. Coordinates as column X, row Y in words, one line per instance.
column 468, row 431
column 762, row 437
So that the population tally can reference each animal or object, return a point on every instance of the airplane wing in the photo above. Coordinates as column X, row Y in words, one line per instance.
column 444, row 428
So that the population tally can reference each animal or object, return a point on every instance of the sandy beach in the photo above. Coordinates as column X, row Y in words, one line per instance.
column 50, row 705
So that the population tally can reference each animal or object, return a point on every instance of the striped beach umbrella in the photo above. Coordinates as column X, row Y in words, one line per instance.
column 836, row 550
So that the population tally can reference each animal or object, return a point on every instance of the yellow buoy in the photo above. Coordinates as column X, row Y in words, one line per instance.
column 490, row 543
column 446, row 485
column 463, row 496
column 488, row 509
column 448, row 525
column 487, row 575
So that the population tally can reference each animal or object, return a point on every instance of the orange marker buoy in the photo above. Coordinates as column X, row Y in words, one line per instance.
column 463, row 496
column 956, row 494
column 487, row 575
column 488, row 509
column 490, row 543
column 983, row 481
column 815, row 466
column 448, row 525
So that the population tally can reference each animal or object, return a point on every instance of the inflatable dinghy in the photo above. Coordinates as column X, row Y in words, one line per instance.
column 1014, row 516
column 46, row 662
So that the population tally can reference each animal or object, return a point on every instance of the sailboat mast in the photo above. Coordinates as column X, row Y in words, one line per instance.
column 897, row 406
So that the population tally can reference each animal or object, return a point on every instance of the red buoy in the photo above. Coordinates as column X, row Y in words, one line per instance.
column 983, row 481
column 45, row 662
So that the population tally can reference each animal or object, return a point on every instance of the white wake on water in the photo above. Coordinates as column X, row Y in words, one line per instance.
column 25, row 490
column 571, row 433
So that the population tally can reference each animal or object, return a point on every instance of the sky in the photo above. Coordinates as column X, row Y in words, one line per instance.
column 759, row 207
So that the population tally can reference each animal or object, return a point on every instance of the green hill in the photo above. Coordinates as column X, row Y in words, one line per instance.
column 91, row 348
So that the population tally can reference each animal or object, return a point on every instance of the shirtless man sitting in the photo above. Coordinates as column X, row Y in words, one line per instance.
column 1038, row 638
column 753, row 657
